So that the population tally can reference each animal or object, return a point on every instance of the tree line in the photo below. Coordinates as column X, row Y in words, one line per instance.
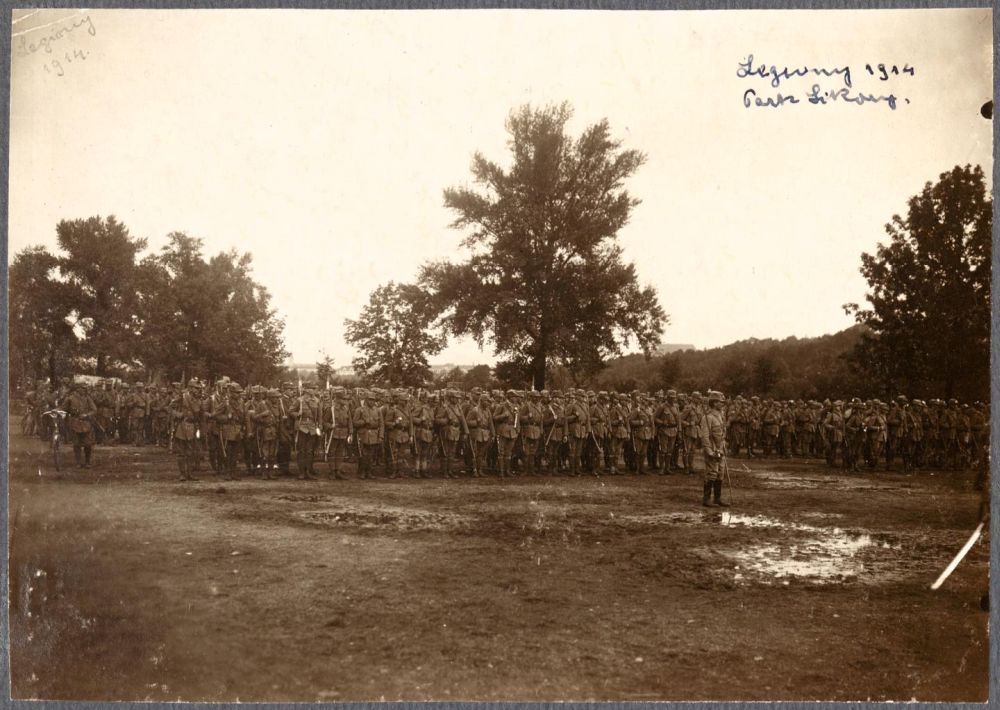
column 102, row 304
column 544, row 284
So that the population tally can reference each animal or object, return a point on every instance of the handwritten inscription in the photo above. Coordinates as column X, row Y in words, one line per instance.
column 47, row 43
column 836, row 84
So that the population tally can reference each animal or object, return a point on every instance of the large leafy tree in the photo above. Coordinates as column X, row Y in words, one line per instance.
column 209, row 317
column 928, row 307
column 545, row 281
column 99, row 262
column 42, row 338
column 393, row 337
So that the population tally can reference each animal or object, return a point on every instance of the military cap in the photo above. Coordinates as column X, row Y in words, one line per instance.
column 901, row 399
column 714, row 396
column 534, row 394
column 952, row 401
column 235, row 387
column 193, row 382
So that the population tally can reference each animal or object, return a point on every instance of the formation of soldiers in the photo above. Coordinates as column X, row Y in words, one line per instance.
column 854, row 433
column 260, row 431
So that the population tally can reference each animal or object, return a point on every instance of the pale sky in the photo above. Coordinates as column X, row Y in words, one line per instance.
column 321, row 141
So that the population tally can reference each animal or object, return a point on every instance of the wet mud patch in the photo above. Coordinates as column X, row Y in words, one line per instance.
column 373, row 517
column 833, row 481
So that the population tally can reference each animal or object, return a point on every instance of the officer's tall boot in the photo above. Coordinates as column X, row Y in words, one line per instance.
column 86, row 456
column 76, row 455
column 717, row 488
column 706, row 498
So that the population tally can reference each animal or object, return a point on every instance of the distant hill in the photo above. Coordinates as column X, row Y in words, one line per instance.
column 789, row 368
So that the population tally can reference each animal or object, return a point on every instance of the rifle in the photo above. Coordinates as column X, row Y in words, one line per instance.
column 553, row 429
column 461, row 417
column 600, row 449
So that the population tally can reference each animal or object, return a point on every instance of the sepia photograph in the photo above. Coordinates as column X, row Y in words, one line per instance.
column 499, row 354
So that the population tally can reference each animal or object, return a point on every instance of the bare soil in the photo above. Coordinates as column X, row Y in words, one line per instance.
column 129, row 585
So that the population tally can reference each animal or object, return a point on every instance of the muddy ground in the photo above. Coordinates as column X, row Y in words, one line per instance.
column 127, row 584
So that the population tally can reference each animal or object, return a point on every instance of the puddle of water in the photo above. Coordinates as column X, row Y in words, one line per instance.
column 818, row 554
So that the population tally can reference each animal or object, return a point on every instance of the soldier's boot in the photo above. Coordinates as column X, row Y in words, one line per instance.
column 717, row 489
column 86, row 456
column 77, row 455
column 706, row 498
column 182, row 467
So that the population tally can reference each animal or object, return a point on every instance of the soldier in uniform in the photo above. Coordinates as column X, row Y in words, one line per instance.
column 770, row 426
column 875, row 434
column 340, row 430
column 231, row 430
column 599, row 417
column 754, row 415
column 449, row 424
column 575, row 417
column 786, row 422
column 80, row 409
column 137, row 407
column 105, row 408
column 948, row 423
column 554, row 423
column 530, row 417
column 367, row 421
column 618, row 430
column 262, row 417
column 186, row 410
column 422, row 419
column 834, row 427
column 307, row 424
column 713, row 441
column 893, row 421
column 477, row 418
column 506, row 420
column 667, row 420
column 691, row 417
column 854, row 435
column 642, row 423
column 911, row 434
column 978, row 434
column 216, row 412
column 397, row 433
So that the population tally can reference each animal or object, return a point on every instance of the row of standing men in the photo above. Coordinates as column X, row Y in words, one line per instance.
column 507, row 433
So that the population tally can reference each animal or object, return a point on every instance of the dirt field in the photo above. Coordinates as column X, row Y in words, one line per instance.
column 126, row 584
